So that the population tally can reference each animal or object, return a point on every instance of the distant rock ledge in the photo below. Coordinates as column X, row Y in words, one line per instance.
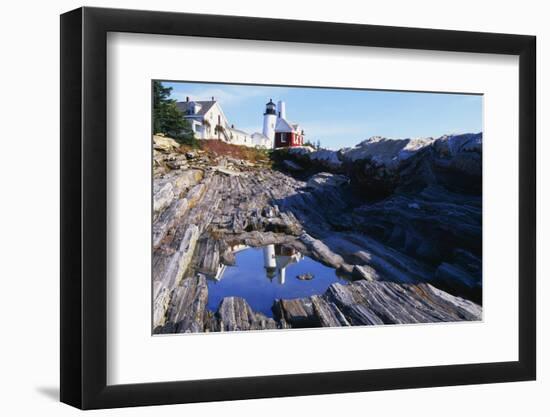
column 381, row 165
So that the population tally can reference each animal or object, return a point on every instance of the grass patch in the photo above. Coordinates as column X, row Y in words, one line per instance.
column 219, row 148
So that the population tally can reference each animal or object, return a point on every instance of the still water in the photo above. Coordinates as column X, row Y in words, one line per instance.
column 262, row 275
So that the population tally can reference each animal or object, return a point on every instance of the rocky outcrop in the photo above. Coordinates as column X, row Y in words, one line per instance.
column 166, row 155
column 292, row 166
column 327, row 313
column 323, row 180
column 400, row 219
column 203, row 216
column 361, row 303
column 409, row 165
column 186, row 308
column 379, row 166
column 171, row 187
column 388, row 263
column 235, row 314
column 164, row 144
column 428, row 225
column 298, row 313
column 169, row 269
column 365, row 272
column 365, row 303
column 321, row 251
column 326, row 158
column 420, row 216
column 393, row 303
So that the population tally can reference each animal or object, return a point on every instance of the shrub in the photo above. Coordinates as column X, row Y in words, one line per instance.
column 220, row 148
column 168, row 119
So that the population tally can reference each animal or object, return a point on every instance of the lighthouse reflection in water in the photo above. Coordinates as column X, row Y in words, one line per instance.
column 277, row 258
column 262, row 275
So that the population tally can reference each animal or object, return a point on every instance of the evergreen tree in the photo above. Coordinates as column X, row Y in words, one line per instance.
column 168, row 119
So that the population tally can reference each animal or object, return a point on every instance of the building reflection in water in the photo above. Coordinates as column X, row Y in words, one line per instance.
column 277, row 258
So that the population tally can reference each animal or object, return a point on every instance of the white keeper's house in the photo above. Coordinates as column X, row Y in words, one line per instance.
column 206, row 117
column 208, row 121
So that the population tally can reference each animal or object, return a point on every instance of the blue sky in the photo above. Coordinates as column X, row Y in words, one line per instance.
column 340, row 117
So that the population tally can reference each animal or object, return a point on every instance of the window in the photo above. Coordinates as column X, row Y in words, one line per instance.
column 283, row 139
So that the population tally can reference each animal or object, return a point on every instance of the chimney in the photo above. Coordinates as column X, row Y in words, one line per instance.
column 282, row 109
column 187, row 99
column 232, row 126
column 212, row 98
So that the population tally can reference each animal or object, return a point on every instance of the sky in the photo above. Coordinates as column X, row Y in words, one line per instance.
column 342, row 117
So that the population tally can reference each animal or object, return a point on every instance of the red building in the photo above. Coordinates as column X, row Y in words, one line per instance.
column 289, row 139
column 287, row 134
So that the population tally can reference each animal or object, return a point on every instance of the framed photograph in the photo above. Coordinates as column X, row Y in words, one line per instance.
column 257, row 208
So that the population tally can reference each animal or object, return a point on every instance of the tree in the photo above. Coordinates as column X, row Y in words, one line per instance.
column 168, row 119
column 318, row 144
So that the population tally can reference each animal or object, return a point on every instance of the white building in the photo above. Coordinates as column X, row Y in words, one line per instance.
column 277, row 258
column 261, row 141
column 280, row 132
column 208, row 121
column 206, row 117
column 239, row 137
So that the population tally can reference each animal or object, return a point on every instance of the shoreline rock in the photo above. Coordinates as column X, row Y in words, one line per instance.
column 424, row 232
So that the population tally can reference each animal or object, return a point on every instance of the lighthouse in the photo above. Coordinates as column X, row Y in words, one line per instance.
column 270, row 263
column 277, row 258
column 270, row 118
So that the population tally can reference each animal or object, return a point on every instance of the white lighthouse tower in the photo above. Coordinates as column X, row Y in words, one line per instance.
column 270, row 118
column 270, row 263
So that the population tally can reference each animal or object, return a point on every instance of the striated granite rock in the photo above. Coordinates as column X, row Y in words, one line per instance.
column 165, row 144
column 292, row 166
column 326, row 158
column 321, row 251
column 297, row 312
column 323, row 180
column 379, row 166
column 403, row 218
column 374, row 303
column 234, row 313
column 169, row 269
column 365, row 272
column 187, row 307
column 328, row 314
column 171, row 187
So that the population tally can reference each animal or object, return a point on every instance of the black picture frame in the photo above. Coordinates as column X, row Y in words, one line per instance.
column 84, row 207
